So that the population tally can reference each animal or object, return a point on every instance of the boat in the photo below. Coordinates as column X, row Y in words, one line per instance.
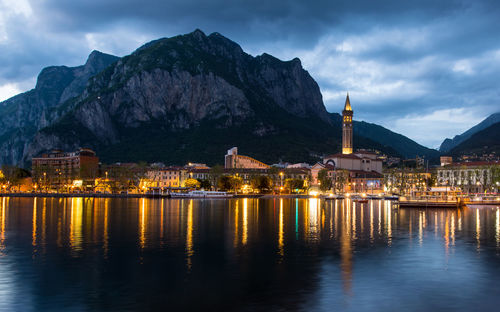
column 391, row 197
column 202, row 194
column 360, row 200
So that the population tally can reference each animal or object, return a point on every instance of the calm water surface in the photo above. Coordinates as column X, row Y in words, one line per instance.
column 245, row 255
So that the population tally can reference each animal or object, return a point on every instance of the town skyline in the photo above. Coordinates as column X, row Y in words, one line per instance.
column 392, row 61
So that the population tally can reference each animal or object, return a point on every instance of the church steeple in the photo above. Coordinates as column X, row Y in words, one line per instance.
column 347, row 113
column 347, row 105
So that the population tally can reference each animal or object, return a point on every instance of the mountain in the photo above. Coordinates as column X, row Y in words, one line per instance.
column 449, row 144
column 404, row 146
column 481, row 142
column 23, row 115
column 189, row 98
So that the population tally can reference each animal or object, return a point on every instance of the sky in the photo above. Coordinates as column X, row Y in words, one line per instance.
column 425, row 69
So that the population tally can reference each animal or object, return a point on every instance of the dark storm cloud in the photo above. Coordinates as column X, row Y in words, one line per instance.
column 401, row 60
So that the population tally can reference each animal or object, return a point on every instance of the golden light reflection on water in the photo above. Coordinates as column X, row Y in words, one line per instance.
column 33, row 232
column 497, row 226
column 342, row 224
column 75, row 228
column 371, row 221
column 312, row 226
column 388, row 213
column 478, row 229
column 189, row 235
column 3, row 221
column 281, row 242
column 421, row 218
column 236, row 223
column 346, row 248
column 245, row 221
column 105, row 234
column 142, row 223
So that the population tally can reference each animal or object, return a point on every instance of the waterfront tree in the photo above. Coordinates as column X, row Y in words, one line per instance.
column 192, row 183
column 326, row 182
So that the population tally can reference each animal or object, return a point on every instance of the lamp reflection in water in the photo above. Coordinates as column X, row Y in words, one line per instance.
column 497, row 227
column 452, row 228
column 3, row 221
column 75, row 226
column 388, row 213
column 354, row 219
column 421, row 221
column 189, row 235
column 346, row 248
column 296, row 219
column 312, row 219
column 105, row 233
column 281, row 243
column 236, row 222
column 44, row 224
column 478, row 230
column 142, row 223
column 371, row 221
column 245, row 221
column 33, row 232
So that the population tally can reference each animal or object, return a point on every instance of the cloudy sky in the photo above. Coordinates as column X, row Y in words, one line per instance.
column 426, row 69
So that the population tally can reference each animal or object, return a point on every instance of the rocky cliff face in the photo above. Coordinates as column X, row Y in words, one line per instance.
column 23, row 115
column 185, row 98
column 181, row 83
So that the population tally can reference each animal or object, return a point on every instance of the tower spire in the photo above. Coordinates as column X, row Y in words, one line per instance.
column 347, row 105
column 347, row 113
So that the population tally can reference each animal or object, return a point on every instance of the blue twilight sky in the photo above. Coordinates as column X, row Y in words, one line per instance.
column 426, row 69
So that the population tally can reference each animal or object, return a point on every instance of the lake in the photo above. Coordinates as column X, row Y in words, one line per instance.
column 84, row 254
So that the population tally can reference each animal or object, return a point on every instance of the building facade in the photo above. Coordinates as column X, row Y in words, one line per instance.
column 59, row 168
column 470, row 177
column 232, row 161
column 354, row 171
column 168, row 177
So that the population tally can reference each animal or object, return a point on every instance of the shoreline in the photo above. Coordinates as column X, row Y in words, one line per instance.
column 97, row 195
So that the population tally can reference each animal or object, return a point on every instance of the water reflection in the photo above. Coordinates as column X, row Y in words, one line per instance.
column 281, row 246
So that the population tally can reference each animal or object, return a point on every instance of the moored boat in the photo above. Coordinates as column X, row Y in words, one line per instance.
column 202, row 194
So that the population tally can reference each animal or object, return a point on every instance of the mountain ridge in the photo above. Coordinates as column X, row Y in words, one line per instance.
column 448, row 144
column 193, row 96
column 482, row 142
column 23, row 115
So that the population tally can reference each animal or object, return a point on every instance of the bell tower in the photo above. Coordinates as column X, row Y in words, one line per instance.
column 347, row 127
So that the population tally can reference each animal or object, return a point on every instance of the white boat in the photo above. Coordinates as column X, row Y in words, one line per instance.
column 201, row 194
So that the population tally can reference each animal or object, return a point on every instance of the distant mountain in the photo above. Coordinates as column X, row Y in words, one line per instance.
column 449, row 144
column 23, row 115
column 404, row 146
column 189, row 98
column 484, row 141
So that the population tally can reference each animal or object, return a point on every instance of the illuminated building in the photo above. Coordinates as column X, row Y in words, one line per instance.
column 470, row 177
column 360, row 171
column 347, row 113
column 58, row 168
column 233, row 160
column 168, row 177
